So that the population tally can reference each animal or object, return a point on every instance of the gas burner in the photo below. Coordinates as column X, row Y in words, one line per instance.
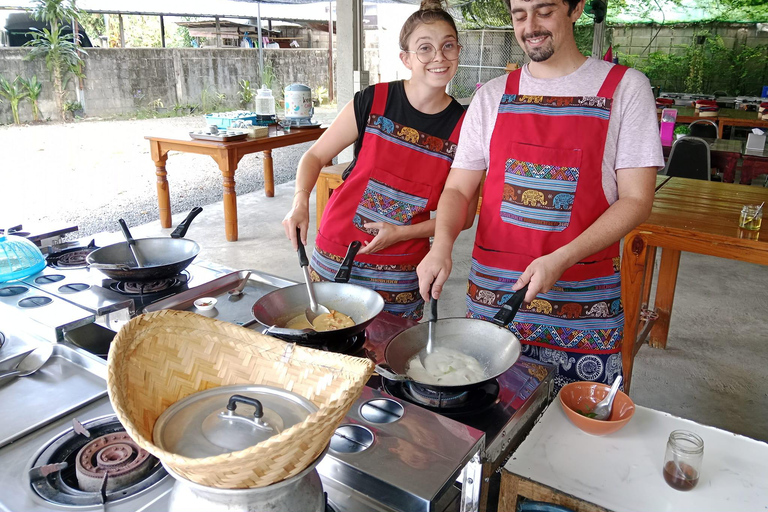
column 10, row 291
column 114, row 456
column 144, row 287
column 71, row 258
column 34, row 302
column 424, row 395
column 85, row 460
column 470, row 403
column 73, row 287
column 48, row 279
column 139, row 288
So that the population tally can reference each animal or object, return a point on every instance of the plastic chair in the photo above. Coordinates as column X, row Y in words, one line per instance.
column 689, row 159
column 704, row 128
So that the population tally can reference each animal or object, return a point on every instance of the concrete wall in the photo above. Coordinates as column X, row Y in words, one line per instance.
column 124, row 80
column 634, row 39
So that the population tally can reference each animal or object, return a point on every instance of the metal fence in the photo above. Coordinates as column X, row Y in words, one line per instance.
column 484, row 56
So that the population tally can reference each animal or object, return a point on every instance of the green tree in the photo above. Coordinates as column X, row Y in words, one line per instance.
column 14, row 93
column 33, row 88
column 60, row 51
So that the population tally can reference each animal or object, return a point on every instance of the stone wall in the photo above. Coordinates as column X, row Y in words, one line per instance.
column 124, row 80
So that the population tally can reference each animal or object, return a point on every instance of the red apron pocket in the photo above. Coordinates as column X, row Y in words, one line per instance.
column 540, row 186
column 392, row 199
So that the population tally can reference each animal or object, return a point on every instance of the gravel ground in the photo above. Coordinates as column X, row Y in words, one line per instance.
column 93, row 172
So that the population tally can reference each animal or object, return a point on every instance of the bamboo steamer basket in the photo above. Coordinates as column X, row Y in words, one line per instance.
column 161, row 357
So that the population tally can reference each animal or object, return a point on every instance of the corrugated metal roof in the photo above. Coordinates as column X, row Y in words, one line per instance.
column 309, row 10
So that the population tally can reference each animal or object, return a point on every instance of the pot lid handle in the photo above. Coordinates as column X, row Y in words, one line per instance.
column 258, row 413
column 232, row 431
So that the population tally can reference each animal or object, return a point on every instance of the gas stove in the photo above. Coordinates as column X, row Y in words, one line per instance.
column 58, row 300
column 484, row 426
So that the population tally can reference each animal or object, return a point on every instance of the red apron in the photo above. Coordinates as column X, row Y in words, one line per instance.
column 543, row 189
column 398, row 178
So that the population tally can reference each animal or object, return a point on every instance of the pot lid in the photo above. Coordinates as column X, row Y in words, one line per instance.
column 227, row 419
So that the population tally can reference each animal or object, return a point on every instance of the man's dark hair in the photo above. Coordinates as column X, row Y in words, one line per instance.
column 571, row 5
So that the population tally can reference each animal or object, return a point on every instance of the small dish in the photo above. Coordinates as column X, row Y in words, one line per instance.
column 205, row 303
column 577, row 398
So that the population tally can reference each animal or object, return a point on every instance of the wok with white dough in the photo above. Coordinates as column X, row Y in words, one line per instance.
column 463, row 346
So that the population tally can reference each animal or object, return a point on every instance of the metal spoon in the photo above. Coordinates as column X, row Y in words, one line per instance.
column 131, row 244
column 236, row 292
column 427, row 350
column 602, row 410
column 314, row 310
column 29, row 365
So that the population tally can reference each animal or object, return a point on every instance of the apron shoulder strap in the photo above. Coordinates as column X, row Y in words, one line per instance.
column 612, row 81
column 457, row 130
column 513, row 82
column 380, row 93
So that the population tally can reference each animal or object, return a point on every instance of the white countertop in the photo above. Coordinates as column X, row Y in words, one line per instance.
column 623, row 471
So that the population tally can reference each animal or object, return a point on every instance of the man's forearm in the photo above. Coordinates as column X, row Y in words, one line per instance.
column 618, row 220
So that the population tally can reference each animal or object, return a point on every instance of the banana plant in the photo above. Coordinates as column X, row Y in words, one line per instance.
column 33, row 88
column 14, row 93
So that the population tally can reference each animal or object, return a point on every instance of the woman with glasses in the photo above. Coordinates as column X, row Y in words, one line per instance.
column 404, row 135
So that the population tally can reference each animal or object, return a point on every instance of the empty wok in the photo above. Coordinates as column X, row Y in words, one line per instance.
column 492, row 344
column 162, row 257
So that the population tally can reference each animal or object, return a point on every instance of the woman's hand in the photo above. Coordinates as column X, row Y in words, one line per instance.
column 388, row 234
column 297, row 217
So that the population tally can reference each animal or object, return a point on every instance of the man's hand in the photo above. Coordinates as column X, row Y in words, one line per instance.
column 297, row 217
column 388, row 234
column 542, row 274
column 433, row 272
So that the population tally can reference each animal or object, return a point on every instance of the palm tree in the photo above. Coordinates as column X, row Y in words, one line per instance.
column 14, row 93
column 33, row 88
column 60, row 51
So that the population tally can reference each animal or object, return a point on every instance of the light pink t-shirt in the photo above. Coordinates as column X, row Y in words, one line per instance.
column 633, row 133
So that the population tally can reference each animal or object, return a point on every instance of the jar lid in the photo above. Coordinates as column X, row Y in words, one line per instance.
column 227, row 419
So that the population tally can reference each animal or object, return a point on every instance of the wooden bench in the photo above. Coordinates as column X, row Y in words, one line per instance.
column 330, row 179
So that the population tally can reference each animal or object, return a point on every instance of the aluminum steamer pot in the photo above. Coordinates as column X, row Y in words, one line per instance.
column 163, row 257
column 492, row 344
column 230, row 418
column 362, row 304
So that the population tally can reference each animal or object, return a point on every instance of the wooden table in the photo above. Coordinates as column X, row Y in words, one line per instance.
column 688, row 215
column 227, row 155
column 622, row 472
column 725, row 117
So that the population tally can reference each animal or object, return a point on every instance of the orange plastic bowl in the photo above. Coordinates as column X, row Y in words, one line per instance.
column 583, row 396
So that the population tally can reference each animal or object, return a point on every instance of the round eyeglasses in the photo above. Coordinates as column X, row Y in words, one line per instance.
column 426, row 52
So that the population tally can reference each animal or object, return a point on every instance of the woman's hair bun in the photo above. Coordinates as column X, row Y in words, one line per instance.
column 431, row 5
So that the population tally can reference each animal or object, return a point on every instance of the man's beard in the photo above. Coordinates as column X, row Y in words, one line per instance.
column 540, row 53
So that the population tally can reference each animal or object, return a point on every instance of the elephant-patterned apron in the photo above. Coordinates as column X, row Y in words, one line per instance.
column 543, row 189
column 398, row 178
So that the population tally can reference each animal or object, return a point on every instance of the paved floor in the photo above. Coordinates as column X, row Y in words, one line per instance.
column 713, row 370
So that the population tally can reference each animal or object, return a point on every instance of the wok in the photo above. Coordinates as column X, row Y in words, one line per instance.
column 492, row 344
column 162, row 257
column 362, row 304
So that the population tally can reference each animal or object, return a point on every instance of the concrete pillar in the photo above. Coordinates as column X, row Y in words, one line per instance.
column 350, row 75
column 345, row 62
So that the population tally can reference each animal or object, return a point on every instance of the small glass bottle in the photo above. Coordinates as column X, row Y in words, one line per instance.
column 751, row 217
column 682, row 460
